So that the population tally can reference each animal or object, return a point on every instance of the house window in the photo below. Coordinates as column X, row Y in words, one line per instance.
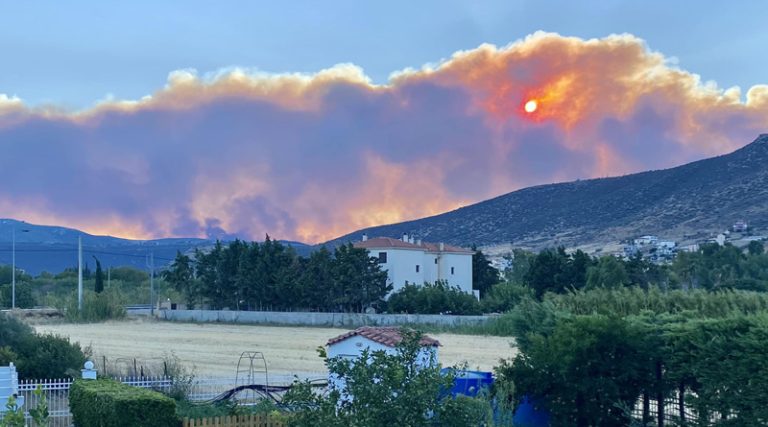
column 451, row 270
column 382, row 257
column 417, row 268
column 435, row 260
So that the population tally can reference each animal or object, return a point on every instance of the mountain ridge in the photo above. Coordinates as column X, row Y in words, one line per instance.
column 689, row 201
column 54, row 248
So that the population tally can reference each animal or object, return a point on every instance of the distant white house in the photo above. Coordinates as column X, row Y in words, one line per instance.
column 646, row 240
column 740, row 226
column 350, row 345
column 410, row 261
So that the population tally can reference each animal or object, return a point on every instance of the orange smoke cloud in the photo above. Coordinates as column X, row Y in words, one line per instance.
column 314, row 156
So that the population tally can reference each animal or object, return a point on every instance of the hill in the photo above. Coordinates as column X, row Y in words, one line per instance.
column 685, row 203
column 50, row 248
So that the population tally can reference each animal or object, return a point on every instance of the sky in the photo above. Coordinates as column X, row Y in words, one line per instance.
column 309, row 120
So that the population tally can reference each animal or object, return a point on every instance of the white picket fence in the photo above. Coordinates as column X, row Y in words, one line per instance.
column 56, row 391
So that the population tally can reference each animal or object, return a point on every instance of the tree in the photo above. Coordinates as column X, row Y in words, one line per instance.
column 383, row 389
column 609, row 272
column 359, row 281
column 553, row 270
column 586, row 371
column 181, row 277
column 755, row 248
column 519, row 264
column 317, row 281
column 98, row 285
column 484, row 275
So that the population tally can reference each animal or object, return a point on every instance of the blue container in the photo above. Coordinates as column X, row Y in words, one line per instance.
column 527, row 415
column 469, row 383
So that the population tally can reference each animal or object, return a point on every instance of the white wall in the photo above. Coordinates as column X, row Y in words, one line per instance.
column 462, row 270
column 430, row 267
column 401, row 266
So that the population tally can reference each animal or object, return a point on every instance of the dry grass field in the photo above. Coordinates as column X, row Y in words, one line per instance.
column 214, row 349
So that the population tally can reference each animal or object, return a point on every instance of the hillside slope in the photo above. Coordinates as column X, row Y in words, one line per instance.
column 51, row 248
column 684, row 203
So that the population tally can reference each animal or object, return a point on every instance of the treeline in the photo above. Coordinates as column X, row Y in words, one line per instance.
column 712, row 267
column 125, row 285
column 270, row 276
column 609, row 357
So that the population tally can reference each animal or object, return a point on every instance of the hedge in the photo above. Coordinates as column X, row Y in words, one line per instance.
column 101, row 403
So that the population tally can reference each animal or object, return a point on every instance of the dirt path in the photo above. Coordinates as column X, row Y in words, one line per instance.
column 214, row 349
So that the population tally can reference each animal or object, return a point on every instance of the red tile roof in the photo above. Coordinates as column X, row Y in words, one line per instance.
column 386, row 335
column 388, row 242
column 435, row 247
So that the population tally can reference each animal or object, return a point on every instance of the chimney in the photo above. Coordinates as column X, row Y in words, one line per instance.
column 441, row 246
column 365, row 237
column 405, row 237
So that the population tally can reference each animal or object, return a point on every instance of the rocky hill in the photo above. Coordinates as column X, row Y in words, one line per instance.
column 685, row 203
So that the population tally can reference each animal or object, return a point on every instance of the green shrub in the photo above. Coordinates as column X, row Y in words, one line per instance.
column 97, row 307
column 24, row 296
column 97, row 403
column 437, row 298
column 465, row 411
column 505, row 296
column 37, row 356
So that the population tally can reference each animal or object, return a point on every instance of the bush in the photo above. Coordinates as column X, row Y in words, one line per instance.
column 96, row 308
column 50, row 356
column 464, row 411
column 505, row 296
column 438, row 298
column 24, row 297
column 37, row 356
column 586, row 370
column 96, row 403
column 589, row 357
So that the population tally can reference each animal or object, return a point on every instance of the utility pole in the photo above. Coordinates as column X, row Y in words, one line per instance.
column 13, row 268
column 109, row 272
column 13, row 265
column 79, row 273
column 152, row 283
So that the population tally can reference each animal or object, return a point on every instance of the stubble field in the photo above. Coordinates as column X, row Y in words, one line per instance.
column 214, row 349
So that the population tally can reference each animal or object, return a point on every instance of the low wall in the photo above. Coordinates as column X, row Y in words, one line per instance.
column 343, row 320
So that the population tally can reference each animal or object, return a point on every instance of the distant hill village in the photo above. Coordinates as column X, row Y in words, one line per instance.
column 652, row 247
column 660, row 251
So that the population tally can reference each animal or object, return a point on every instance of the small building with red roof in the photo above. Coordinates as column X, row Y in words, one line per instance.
column 350, row 345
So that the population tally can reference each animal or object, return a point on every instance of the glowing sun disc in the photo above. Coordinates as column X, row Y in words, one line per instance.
column 531, row 106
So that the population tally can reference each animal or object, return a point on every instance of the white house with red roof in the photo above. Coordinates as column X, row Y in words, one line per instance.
column 350, row 345
column 411, row 261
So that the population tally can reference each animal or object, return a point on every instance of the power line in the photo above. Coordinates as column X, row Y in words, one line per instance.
column 90, row 251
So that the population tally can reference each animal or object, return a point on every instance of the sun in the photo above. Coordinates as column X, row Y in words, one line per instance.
column 531, row 106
